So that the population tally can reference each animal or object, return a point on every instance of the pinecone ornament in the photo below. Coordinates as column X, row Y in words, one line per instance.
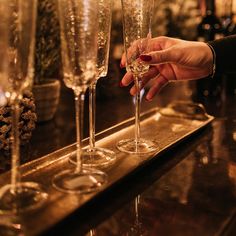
column 27, row 122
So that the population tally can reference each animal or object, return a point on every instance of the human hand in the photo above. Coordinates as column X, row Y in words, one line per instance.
column 171, row 59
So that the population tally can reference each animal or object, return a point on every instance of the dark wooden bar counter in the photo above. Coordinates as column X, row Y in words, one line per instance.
column 191, row 190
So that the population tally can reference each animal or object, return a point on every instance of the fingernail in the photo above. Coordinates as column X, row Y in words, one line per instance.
column 120, row 84
column 121, row 65
column 145, row 57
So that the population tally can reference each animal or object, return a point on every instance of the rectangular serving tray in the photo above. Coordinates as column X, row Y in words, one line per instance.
column 167, row 126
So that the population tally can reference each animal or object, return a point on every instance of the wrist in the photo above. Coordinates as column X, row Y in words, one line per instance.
column 213, row 60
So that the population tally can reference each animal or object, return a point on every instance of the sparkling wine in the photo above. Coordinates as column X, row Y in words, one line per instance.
column 78, row 44
column 102, row 59
column 137, row 67
column 103, row 39
column 83, row 77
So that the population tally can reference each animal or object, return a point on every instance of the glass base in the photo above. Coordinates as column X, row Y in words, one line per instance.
column 133, row 147
column 96, row 157
column 85, row 181
column 27, row 196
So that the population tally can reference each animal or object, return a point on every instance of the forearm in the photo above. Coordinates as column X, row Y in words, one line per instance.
column 225, row 50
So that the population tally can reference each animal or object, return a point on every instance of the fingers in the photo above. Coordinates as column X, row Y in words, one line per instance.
column 127, row 79
column 123, row 61
column 133, row 90
column 160, row 82
column 153, row 71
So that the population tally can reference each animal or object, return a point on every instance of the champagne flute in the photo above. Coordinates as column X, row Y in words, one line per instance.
column 20, row 21
column 136, row 32
column 96, row 156
column 78, row 30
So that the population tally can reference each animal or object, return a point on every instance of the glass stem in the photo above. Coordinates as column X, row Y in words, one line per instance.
column 92, row 116
column 137, row 82
column 15, row 147
column 136, row 208
column 79, row 104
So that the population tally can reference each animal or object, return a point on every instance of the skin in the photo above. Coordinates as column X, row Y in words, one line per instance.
column 171, row 59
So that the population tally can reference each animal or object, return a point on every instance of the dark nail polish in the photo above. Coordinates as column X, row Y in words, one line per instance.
column 145, row 58
column 121, row 65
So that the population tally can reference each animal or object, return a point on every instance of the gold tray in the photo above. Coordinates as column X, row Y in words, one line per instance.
column 167, row 126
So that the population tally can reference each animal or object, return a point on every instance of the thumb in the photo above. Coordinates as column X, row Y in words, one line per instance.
column 160, row 57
